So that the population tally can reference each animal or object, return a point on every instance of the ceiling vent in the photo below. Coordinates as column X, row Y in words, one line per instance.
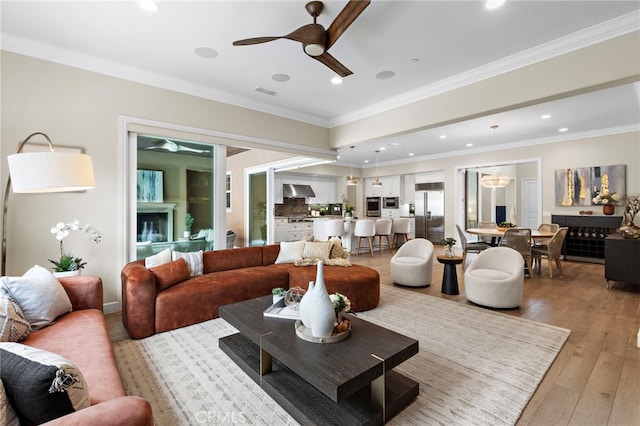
column 265, row 91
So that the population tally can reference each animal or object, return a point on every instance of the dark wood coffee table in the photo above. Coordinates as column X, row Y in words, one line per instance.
column 348, row 382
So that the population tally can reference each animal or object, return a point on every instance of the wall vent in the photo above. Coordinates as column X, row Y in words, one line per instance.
column 265, row 91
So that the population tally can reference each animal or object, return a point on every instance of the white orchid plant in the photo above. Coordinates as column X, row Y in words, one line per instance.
column 67, row 262
column 608, row 198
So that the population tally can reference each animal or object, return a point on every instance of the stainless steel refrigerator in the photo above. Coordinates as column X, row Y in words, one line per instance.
column 430, row 211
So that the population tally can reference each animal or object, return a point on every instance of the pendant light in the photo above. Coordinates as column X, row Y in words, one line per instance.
column 351, row 179
column 377, row 181
column 494, row 180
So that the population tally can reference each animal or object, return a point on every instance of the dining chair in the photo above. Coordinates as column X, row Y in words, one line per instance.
column 519, row 239
column 487, row 224
column 467, row 247
column 552, row 251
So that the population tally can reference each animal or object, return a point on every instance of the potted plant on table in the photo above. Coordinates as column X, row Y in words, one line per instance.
column 67, row 264
column 278, row 294
column 449, row 242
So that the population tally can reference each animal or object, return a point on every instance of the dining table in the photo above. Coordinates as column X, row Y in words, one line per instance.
column 495, row 233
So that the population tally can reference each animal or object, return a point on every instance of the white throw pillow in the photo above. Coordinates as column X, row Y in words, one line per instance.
column 40, row 296
column 290, row 251
column 193, row 259
column 317, row 250
column 158, row 259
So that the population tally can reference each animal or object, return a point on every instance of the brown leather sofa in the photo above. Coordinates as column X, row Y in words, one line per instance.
column 150, row 305
column 82, row 337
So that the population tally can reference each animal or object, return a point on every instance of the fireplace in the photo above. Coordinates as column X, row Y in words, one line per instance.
column 155, row 222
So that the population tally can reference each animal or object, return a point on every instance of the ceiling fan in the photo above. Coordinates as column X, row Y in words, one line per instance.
column 315, row 40
column 171, row 146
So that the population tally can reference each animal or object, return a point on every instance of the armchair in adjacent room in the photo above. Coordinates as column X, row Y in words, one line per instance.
column 412, row 265
column 495, row 278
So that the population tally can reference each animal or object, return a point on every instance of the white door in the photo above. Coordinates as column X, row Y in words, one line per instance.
column 530, row 208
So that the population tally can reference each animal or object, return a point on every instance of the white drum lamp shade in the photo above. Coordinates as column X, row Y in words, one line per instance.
column 40, row 172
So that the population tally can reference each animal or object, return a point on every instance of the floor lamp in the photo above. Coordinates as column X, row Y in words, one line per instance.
column 42, row 172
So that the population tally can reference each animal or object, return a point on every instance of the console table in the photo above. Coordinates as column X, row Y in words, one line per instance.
column 621, row 259
column 586, row 236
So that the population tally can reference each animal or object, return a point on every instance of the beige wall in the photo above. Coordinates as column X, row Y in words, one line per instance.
column 80, row 108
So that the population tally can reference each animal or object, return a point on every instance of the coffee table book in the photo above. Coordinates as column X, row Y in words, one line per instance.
column 351, row 382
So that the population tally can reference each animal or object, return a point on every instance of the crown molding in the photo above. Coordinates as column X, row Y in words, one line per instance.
column 47, row 52
column 580, row 39
column 584, row 38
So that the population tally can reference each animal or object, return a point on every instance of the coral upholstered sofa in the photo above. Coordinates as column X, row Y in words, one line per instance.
column 167, row 297
column 81, row 337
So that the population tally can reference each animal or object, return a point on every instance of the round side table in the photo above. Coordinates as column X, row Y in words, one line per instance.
column 450, row 276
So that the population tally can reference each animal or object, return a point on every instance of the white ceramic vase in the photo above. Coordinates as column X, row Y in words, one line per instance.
column 305, row 306
column 322, row 313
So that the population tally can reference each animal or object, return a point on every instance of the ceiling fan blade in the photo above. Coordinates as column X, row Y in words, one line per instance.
column 345, row 18
column 333, row 63
column 255, row 40
column 307, row 34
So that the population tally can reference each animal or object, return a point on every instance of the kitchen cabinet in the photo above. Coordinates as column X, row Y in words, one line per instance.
column 282, row 225
column 390, row 213
column 408, row 194
column 390, row 187
column 372, row 191
column 325, row 188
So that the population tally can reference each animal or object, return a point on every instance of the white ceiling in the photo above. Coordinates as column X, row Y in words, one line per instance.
column 427, row 44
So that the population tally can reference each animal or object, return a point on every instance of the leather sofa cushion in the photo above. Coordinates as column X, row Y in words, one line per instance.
column 170, row 274
column 93, row 354
column 225, row 260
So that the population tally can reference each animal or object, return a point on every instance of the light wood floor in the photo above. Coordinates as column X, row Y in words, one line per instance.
column 595, row 380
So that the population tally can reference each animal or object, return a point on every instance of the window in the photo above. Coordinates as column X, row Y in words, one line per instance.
column 228, row 191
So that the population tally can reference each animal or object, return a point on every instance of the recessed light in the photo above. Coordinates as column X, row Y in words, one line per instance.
column 280, row 77
column 149, row 6
column 384, row 75
column 443, row 136
column 546, row 116
column 494, row 4
column 564, row 129
column 411, row 154
column 336, row 80
column 382, row 148
column 366, row 161
column 206, row 52
column 469, row 144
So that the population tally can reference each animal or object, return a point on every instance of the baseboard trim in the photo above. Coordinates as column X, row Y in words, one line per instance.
column 111, row 307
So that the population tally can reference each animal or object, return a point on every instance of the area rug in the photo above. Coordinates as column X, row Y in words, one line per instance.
column 474, row 366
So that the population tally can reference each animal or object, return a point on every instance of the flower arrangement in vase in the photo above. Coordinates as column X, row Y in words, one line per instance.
column 67, row 262
column 606, row 200
column 341, row 304
column 449, row 242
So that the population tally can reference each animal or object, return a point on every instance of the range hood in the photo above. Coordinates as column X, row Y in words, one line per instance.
column 290, row 190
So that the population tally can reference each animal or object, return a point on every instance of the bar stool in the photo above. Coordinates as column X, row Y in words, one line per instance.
column 365, row 228
column 334, row 228
column 383, row 229
column 400, row 228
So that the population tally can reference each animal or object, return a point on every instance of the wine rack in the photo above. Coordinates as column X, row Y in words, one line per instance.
column 586, row 235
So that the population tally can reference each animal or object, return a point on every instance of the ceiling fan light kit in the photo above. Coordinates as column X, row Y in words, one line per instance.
column 315, row 40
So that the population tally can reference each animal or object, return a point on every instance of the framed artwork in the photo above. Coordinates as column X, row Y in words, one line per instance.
column 609, row 179
column 149, row 186
column 573, row 186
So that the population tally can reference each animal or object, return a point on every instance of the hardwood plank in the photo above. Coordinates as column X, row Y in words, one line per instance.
column 579, row 301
